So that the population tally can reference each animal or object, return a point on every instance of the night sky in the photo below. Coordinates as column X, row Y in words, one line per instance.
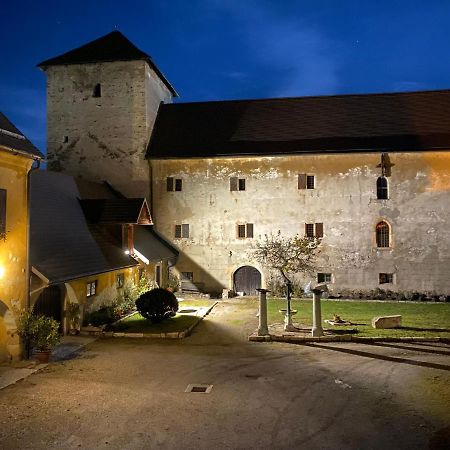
column 230, row 49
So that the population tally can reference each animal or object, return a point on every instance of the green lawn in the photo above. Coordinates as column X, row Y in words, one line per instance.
column 418, row 319
column 138, row 324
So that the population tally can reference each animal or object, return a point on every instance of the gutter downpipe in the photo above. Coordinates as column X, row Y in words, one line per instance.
column 27, row 349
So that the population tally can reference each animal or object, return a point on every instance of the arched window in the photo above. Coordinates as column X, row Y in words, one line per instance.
column 382, row 231
column 382, row 188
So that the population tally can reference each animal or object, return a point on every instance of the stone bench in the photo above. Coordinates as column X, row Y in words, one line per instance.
column 387, row 322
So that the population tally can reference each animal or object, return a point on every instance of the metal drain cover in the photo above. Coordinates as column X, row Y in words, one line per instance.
column 199, row 388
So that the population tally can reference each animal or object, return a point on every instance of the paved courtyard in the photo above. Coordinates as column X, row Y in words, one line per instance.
column 130, row 394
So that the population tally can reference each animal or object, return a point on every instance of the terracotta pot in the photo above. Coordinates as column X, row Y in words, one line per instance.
column 42, row 357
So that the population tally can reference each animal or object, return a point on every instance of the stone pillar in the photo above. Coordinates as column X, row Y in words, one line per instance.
column 317, row 329
column 263, row 329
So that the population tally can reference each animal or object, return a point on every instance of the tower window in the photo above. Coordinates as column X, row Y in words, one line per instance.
column 97, row 92
column 382, row 234
column 382, row 188
column 174, row 184
column 65, row 139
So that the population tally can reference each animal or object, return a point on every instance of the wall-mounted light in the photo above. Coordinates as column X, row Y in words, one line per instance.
column 127, row 252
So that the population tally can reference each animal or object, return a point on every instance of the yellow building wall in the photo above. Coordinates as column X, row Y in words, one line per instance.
column 13, row 250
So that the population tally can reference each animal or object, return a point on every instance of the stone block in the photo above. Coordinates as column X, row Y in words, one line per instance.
column 387, row 322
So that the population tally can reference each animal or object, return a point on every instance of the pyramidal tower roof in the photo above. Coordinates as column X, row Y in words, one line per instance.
column 113, row 46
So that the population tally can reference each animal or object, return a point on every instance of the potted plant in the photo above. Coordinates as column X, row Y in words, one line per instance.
column 44, row 337
column 39, row 332
column 73, row 315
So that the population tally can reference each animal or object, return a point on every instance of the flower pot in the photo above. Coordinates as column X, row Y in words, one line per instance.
column 42, row 357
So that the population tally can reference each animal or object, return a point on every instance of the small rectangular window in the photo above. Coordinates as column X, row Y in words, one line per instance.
column 306, row 181
column 120, row 279
column 310, row 182
column 309, row 230
column 2, row 213
column 91, row 288
column 314, row 230
column 174, row 184
column 97, row 92
column 237, row 184
column 65, row 139
column 324, row 277
column 385, row 278
column 182, row 231
column 245, row 230
column 187, row 276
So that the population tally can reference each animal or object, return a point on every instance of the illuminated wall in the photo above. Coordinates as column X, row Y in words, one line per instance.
column 13, row 249
column 344, row 199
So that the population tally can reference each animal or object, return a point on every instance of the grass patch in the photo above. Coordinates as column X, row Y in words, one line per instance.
column 418, row 319
column 138, row 324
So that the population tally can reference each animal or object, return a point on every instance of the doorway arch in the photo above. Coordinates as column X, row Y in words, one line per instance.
column 50, row 304
column 247, row 279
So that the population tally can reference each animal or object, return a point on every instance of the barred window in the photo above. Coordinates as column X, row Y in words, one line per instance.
column 314, row 230
column 382, row 234
column 237, row 184
column 306, row 181
column 245, row 230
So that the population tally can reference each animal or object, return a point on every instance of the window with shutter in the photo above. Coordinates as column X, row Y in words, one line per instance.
column 310, row 182
column 233, row 184
column 302, row 181
column 241, row 184
column 177, row 231
column 178, row 184
column 169, row 184
column 2, row 213
column 249, row 230
column 185, row 230
column 319, row 230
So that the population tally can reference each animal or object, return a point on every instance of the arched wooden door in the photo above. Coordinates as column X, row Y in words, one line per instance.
column 247, row 279
column 50, row 304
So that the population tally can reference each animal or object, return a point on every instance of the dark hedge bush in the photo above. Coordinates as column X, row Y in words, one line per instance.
column 103, row 316
column 157, row 305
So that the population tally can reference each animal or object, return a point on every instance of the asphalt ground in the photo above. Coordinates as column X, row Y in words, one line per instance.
column 130, row 394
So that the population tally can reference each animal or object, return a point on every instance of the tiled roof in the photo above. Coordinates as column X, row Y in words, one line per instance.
column 63, row 245
column 12, row 139
column 340, row 123
column 112, row 47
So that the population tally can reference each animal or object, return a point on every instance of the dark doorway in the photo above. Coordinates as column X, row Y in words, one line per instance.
column 50, row 304
column 247, row 279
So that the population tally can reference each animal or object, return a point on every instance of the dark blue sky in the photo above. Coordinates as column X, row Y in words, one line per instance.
column 225, row 49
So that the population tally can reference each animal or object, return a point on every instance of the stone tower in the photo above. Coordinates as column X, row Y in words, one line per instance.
column 102, row 100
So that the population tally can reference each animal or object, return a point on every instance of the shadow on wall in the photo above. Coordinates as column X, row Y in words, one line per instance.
column 202, row 280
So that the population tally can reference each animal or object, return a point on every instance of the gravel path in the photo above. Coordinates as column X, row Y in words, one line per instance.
column 129, row 394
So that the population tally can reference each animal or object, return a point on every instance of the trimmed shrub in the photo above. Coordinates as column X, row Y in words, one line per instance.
column 103, row 316
column 157, row 305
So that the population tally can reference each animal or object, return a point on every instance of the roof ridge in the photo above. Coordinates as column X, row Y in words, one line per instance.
column 266, row 99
